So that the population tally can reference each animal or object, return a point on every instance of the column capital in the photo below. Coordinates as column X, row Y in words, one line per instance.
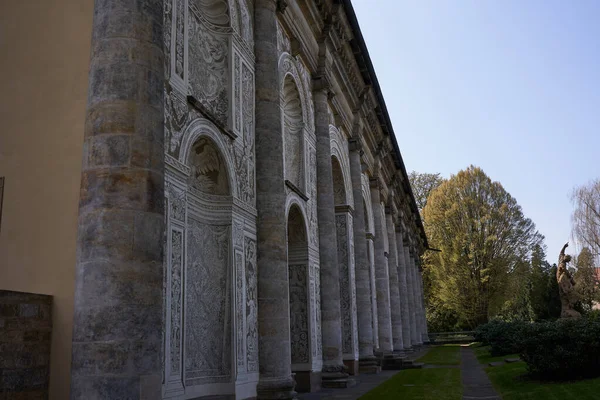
column 281, row 6
column 322, row 83
column 354, row 144
column 375, row 183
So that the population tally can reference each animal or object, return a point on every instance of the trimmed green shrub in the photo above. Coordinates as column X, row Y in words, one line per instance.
column 502, row 337
column 562, row 350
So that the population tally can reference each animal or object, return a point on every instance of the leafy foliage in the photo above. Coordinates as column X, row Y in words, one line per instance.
column 503, row 337
column 422, row 185
column 486, row 242
column 564, row 349
column 586, row 282
column 558, row 350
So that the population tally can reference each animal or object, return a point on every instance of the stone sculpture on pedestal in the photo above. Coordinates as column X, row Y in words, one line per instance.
column 566, row 286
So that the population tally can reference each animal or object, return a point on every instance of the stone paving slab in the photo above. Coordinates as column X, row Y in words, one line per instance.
column 476, row 384
column 364, row 383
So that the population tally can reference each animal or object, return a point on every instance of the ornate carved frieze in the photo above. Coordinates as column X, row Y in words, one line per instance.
column 299, row 314
column 209, row 59
column 208, row 294
column 312, row 206
column 176, row 272
column 345, row 290
column 317, row 272
column 251, row 305
column 239, row 309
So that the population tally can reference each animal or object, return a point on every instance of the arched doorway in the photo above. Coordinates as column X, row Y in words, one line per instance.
column 297, row 246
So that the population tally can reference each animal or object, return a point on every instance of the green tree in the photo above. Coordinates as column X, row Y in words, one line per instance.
column 586, row 279
column 483, row 237
column 422, row 185
column 539, row 283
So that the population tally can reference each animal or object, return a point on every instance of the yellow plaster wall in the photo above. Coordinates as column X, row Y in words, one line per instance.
column 44, row 62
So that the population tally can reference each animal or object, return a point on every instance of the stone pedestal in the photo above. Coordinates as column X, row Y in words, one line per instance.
column 307, row 381
column 351, row 366
column 119, row 271
column 393, row 361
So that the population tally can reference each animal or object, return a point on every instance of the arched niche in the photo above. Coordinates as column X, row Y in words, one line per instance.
column 339, row 150
column 208, row 268
column 293, row 134
column 207, row 168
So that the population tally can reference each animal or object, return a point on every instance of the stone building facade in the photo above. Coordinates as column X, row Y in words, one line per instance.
column 246, row 226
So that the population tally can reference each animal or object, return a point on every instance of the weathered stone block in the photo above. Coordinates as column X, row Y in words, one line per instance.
column 24, row 345
column 111, row 118
column 122, row 388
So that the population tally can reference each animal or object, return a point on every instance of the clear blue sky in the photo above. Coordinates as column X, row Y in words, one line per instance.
column 510, row 86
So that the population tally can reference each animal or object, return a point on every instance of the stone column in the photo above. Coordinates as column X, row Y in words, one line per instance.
column 275, row 363
column 419, row 315
column 118, row 311
column 403, row 291
column 415, row 291
column 424, row 331
column 396, row 312
column 382, row 279
column 367, row 361
column 331, row 326
column 411, row 298
column 375, row 323
column 345, row 253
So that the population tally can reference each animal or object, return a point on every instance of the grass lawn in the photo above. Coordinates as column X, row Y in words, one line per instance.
column 484, row 357
column 442, row 355
column 510, row 382
column 420, row 384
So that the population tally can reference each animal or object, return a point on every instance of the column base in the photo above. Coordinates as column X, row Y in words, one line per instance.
column 392, row 361
column 276, row 389
column 352, row 366
column 335, row 377
column 369, row 365
column 307, row 381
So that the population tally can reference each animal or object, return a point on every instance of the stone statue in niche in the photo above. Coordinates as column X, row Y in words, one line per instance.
column 566, row 286
column 208, row 168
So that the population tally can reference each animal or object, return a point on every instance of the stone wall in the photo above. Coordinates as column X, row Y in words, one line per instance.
column 25, row 332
